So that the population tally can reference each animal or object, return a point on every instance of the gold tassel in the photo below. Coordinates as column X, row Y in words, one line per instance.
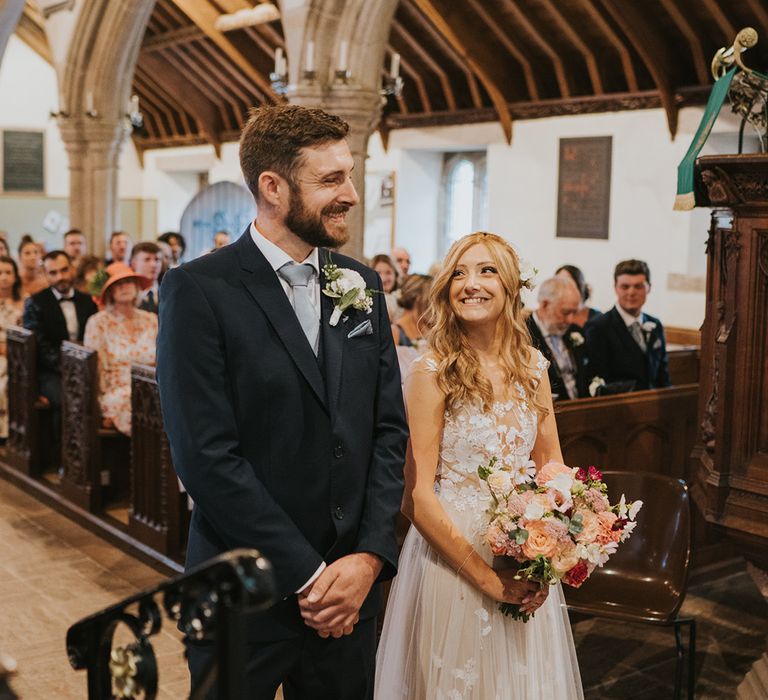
column 685, row 202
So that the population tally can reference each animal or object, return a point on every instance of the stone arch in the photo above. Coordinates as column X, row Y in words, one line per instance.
column 100, row 60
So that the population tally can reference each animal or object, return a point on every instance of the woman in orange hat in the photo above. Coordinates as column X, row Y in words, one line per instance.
column 122, row 335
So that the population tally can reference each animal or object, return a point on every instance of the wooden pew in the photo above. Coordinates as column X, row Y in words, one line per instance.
column 95, row 460
column 30, row 449
column 683, row 363
column 641, row 431
column 159, row 515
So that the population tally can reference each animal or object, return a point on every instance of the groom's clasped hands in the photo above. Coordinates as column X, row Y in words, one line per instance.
column 331, row 605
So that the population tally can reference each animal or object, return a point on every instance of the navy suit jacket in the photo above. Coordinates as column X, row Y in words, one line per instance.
column 577, row 357
column 614, row 355
column 297, row 456
column 43, row 315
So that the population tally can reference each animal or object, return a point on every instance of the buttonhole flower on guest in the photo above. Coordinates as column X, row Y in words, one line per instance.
column 348, row 288
column 595, row 384
column 648, row 326
column 576, row 339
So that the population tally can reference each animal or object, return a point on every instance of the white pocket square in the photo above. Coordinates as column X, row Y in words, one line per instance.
column 364, row 328
column 657, row 344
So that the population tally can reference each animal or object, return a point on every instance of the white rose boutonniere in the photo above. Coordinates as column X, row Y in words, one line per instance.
column 595, row 384
column 648, row 326
column 348, row 288
column 576, row 339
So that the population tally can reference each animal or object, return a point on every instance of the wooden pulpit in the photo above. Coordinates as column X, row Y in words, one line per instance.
column 730, row 482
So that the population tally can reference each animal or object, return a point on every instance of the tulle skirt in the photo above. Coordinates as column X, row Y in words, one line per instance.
column 444, row 640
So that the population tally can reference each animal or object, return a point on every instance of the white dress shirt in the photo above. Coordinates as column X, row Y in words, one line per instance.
column 67, row 307
column 628, row 318
column 277, row 257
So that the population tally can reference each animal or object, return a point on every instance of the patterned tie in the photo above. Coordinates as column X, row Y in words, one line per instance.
column 299, row 277
column 637, row 334
column 563, row 359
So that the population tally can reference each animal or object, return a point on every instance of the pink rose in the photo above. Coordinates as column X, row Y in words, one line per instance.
column 565, row 559
column 541, row 540
column 550, row 470
column 590, row 526
column 577, row 575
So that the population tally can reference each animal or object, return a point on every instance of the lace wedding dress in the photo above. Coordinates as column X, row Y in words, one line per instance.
column 442, row 638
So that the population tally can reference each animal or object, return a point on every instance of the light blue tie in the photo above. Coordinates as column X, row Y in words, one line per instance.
column 637, row 333
column 563, row 359
column 299, row 277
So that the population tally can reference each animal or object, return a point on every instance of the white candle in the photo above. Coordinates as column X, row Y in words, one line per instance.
column 135, row 104
column 343, row 56
column 394, row 67
column 309, row 62
column 278, row 60
column 89, row 102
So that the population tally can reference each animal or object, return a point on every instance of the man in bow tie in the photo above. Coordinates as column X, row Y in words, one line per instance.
column 287, row 429
column 626, row 344
column 55, row 314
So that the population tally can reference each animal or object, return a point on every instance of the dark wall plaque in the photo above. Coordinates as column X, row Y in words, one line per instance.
column 23, row 161
column 584, row 187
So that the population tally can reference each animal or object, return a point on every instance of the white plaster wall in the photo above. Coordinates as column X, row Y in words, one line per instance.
column 522, row 198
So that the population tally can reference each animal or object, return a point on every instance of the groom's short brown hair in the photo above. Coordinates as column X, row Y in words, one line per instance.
column 273, row 137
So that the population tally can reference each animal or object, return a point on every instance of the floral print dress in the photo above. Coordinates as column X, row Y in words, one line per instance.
column 120, row 342
column 443, row 639
column 10, row 315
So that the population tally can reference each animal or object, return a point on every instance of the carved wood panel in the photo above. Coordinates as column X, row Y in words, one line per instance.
column 80, row 422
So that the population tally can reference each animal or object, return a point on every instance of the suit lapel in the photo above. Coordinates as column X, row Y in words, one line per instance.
column 541, row 342
column 261, row 282
column 332, row 340
column 57, row 316
column 626, row 337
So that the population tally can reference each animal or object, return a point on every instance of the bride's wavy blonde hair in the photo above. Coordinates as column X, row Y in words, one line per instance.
column 458, row 373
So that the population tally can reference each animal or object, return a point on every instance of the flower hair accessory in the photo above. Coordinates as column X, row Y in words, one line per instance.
column 528, row 274
column 348, row 288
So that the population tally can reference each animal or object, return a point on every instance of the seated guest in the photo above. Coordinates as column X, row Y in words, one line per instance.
column 410, row 328
column 122, row 335
column 11, row 307
column 119, row 248
column 166, row 255
column 86, row 272
column 220, row 239
column 147, row 261
column 403, row 259
column 178, row 246
column 625, row 344
column 55, row 314
column 33, row 279
column 5, row 251
column 386, row 269
column 75, row 245
column 585, row 313
column 560, row 341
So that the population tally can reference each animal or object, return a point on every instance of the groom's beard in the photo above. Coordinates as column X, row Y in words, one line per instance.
column 311, row 228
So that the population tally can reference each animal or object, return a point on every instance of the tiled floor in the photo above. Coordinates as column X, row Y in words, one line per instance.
column 53, row 572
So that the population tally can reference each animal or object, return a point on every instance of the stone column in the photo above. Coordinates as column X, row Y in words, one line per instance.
column 93, row 146
column 361, row 109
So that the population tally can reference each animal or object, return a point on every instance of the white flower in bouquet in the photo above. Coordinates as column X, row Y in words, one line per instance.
column 500, row 482
column 525, row 472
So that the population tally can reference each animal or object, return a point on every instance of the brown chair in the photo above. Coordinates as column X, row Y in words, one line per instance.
column 646, row 580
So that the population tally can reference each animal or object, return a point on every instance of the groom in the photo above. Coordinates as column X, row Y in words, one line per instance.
column 289, row 432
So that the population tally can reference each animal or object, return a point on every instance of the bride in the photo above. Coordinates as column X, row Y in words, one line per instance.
column 479, row 392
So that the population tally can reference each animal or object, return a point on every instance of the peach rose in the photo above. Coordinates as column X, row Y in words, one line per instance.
column 607, row 533
column 550, row 470
column 541, row 540
column 590, row 526
column 565, row 560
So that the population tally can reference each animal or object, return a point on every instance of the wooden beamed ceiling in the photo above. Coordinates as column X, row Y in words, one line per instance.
column 462, row 61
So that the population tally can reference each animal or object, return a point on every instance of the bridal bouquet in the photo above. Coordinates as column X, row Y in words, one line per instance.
column 555, row 524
